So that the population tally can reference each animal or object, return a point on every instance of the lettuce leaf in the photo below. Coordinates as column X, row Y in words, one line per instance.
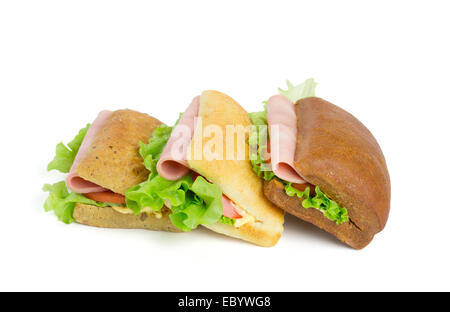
column 303, row 90
column 259, row 118
column 258, row 144
column 192, row 203
column 320, row 201
column 65, row 155
column 157, row 191
column 260, row 133
column 62, row 202
column 203, row 205
column 151, row 152
column 226, row 220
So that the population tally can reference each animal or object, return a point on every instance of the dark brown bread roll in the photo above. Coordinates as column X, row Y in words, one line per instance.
column 336, row 152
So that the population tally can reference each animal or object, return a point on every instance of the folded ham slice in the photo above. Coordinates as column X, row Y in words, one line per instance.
column 73, row 181
column 172, row 164
column 282, row 122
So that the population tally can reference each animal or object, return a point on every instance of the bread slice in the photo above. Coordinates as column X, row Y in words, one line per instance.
column 234, row 176
column 108, row 217
column 113, row 159
column 336, row 152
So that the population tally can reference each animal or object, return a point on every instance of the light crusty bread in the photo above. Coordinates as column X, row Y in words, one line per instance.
column 107, row 217
column 113, row 159
column 235, row 177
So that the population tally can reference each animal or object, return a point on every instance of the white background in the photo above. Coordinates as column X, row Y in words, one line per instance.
column 61, row 62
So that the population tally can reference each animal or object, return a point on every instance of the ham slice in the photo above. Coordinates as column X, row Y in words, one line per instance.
column 172, row 164
column 282, row 122
column 73, row 181
column 229, row 209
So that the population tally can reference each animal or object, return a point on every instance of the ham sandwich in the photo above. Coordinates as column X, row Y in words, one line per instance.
column 108, row 160
column 321, row 144
column 257, row 219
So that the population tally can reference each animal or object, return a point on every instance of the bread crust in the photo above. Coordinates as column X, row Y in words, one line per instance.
column 107, row 217
column 347, row 232
column 336, row 152
column 254, row 232
column 235, row 177
column 113, row 159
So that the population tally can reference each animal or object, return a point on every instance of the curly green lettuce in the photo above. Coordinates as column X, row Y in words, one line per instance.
column 151, row 152
column 191, row 202
column 260, row 133
column 303, row 90
column 258, row 146
column 62, row 202
column 203, row 205
column 65, row 155
column 319, row 201
column 226, row 220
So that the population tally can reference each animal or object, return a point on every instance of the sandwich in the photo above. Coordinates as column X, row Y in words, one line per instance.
column 102, row 162
column 321, row 164
column 204, row 177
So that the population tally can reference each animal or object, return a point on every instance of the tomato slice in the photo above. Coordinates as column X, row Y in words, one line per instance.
column 195, row 175
column 106, row 197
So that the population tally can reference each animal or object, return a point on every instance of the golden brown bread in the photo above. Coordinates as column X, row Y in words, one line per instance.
column 113, row 160
column 235, row 176
column 336, row 152
column 107, row 217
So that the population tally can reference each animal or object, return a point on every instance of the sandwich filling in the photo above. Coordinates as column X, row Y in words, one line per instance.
column 64, row 195
column 82, row 186
column 193, row 199
column 272, row 150
column 74, row 182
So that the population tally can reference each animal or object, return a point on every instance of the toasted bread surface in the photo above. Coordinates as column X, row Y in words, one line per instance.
column 234, row 175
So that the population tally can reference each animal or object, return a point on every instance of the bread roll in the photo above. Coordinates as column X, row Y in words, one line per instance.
column 336, row 152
